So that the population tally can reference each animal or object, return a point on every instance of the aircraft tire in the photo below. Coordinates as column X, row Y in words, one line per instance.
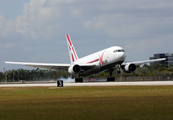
column 78, row 80
column 110, row 79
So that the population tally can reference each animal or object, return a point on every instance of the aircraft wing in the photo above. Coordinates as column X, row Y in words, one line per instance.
column 42, row 65
column 145, row 61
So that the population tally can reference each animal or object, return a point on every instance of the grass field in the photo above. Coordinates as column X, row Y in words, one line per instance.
column 87, row 103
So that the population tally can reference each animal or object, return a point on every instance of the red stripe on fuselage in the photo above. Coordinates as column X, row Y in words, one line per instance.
column 68, row 38
column 93, row 61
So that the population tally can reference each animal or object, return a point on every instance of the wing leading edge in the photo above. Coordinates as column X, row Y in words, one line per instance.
column 145, row 61
column 51, row 65
column 42, row 65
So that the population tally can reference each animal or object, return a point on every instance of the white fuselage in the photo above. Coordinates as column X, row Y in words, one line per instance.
column 103, row 59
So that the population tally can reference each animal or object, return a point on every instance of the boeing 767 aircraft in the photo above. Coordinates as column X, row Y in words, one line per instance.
column 109, row 59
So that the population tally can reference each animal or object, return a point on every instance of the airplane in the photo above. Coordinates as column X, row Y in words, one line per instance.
column 109, row 59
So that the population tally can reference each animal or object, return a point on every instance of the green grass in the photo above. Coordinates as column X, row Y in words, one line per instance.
column 119, row 102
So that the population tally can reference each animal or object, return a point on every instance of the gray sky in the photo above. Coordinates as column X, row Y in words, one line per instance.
column 34, row 30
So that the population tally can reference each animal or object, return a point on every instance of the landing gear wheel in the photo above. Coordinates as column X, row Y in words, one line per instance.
column 110, row 79
column 78, row 79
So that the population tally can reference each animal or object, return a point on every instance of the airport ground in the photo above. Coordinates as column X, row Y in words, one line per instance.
column 87, row 102
column 73, row 84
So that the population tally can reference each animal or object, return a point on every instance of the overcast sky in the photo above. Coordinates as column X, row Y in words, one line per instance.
column 34, row 30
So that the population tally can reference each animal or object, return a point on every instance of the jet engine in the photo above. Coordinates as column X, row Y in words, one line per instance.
column 129, row 68
column 73, row 69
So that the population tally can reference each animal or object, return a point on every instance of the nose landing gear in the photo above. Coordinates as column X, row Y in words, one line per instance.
column 111, row 71
column 110, row 79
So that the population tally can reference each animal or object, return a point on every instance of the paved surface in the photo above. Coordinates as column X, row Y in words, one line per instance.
column 146, row 83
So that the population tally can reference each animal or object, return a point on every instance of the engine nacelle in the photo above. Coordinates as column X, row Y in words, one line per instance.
column 74, row 69
column 129, row 68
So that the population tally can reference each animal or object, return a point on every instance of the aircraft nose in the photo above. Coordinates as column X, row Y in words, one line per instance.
column 122, row 56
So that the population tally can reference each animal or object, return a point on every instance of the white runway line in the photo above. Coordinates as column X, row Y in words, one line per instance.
column 143, row 83
column 121, row 83
column 28, row 85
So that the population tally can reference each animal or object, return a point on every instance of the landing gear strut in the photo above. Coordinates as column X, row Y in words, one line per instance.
column 78, row 79
column 118, row 71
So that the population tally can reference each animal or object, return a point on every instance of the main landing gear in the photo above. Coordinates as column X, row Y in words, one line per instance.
column 78, row 79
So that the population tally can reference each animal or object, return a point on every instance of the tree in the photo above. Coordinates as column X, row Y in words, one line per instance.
column 1, row 76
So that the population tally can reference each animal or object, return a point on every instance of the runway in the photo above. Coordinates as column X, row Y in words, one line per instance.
column 143, row 83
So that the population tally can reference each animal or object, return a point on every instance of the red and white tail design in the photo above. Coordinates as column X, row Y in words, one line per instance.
column 72, row 52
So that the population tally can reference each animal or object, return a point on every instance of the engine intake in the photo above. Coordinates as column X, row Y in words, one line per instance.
column 73, row 69
column 76, row 68
column 129, row 68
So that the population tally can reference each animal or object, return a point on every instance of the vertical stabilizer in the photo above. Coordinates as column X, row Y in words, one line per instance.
column 72, row 52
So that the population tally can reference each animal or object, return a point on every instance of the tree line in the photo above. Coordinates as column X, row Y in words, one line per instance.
column 44, row 74
column 24, row 74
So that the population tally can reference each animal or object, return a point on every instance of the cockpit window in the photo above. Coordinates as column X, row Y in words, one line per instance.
column 120, row 50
